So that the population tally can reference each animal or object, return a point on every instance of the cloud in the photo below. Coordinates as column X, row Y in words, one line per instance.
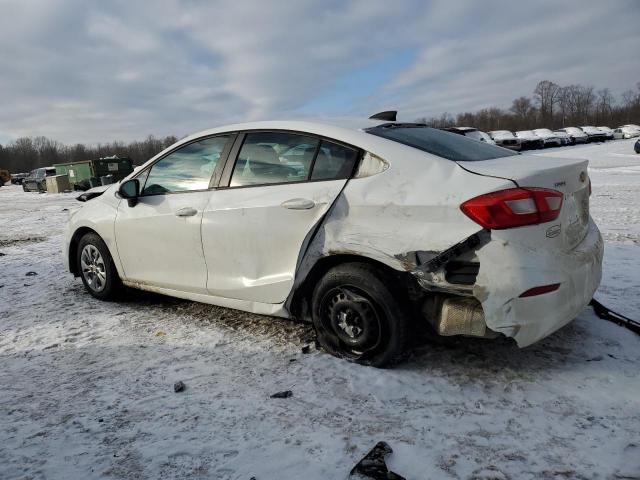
column 89, row 72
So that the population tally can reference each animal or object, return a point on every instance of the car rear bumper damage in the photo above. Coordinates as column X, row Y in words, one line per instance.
column 500, row 284
column 494, row 303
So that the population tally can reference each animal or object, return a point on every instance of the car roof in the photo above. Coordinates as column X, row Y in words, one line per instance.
column 349, row 132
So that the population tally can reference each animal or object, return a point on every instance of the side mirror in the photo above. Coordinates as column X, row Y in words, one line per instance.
column 131, row 191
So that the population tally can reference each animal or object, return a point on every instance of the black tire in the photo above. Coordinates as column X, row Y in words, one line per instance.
column 357, row 316
column 102, row 281
column 24, row 188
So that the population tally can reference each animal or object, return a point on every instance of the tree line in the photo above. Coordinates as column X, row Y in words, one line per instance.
column 27, row 153
column 551, row 106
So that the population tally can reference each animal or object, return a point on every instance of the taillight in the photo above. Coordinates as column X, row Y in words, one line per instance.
column 514, row 207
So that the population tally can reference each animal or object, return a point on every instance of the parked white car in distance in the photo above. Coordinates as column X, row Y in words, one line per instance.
column 564, row 137
column 550, row 138
column 577, row 135
column 626, row 132
column 608, row 131
column 594, row 134
column 529, row 140
column 505, row 138
column 362, row 232
column 472, row 132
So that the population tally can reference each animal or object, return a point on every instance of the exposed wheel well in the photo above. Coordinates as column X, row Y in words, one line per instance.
column 73, row 248
column 300, row 300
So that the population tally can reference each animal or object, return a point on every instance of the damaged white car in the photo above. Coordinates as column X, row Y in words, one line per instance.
column 367, row 233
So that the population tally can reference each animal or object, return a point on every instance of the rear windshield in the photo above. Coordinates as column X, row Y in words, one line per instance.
column 443, row 144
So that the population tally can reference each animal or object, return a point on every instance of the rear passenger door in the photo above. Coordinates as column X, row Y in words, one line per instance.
column 279, row 186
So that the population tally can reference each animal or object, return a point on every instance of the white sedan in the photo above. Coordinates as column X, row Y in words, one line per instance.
column 367, row 233
column 506, row 139
column 550, row 138
column 626, row 131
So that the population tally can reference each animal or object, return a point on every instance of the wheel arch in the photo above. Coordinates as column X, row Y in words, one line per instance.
column 299, row 304
column 73, row 247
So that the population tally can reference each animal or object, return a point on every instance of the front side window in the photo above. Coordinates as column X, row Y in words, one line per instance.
column 274, row 157
column 187, row 169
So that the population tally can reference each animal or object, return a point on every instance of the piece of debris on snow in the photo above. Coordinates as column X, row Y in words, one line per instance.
column 31, row 274
column 160, row 334
column 373, row 466
column 306, row 349
column 285, row 394
column 2, row 254
column 597, row 358
column 179, row 386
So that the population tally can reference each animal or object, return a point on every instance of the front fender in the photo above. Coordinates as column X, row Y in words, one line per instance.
column 97, row 215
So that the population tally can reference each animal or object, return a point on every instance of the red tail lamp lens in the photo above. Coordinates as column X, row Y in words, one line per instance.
column 514, row 207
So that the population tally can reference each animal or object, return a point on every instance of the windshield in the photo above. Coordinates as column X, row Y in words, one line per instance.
column 485, row 137
column 447, row 145
column 501, row 134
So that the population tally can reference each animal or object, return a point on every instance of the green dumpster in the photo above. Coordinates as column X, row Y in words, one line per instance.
column 87, row 173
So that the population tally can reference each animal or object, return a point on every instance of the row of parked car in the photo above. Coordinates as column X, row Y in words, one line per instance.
column 544, row 137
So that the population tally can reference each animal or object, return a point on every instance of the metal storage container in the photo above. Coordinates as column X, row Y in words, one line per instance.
column 87, row 173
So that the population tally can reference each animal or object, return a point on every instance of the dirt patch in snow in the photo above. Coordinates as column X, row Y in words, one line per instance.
column 9, row 242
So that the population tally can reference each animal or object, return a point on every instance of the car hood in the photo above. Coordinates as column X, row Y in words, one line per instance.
column 93, row 192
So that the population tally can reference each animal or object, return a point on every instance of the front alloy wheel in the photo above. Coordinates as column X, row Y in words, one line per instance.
column 93, row 268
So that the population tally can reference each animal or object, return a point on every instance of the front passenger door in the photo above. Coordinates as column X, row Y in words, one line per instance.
column 159, row 240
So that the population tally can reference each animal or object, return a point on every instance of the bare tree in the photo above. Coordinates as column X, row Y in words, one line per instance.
column 605, row 105
column 546, row 94
column 524, row 112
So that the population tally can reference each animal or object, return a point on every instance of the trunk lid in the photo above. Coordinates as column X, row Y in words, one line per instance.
column 569, row 176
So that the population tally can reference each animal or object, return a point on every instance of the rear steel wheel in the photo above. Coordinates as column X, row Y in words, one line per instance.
column 358, row 315
column 354, row 318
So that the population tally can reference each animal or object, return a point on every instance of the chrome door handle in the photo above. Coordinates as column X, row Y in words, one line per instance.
column 186, row 212
column 298, row 204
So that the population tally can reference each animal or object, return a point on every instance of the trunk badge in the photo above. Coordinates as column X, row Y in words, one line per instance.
column 583, row 177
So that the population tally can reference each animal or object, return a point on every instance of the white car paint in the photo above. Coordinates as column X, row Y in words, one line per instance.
column 507, row 139
column 550, row 138
column 626, row 132
column 243, row 249
column 576, row 134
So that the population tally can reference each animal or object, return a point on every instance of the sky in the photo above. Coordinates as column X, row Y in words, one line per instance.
column 96, row 71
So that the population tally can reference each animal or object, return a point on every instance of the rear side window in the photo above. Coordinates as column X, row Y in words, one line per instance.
column 333, row 162
column 443, row 144
column 274, row 157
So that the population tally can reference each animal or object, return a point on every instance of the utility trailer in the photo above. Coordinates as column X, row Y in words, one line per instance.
column 86, row 174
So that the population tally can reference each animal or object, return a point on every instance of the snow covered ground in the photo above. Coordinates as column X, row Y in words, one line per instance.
column 86, row 387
